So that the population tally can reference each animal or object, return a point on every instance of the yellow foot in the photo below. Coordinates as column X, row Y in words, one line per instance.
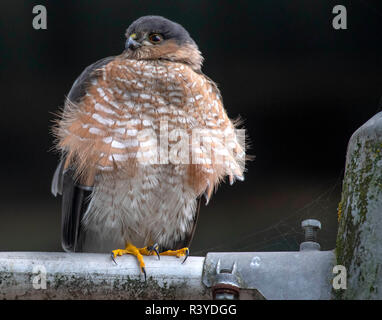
column 178, row 253
column 138, row 253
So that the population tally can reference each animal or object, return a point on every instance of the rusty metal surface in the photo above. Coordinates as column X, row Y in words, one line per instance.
column 95, row 276
column 260, row 275
column 359, row 239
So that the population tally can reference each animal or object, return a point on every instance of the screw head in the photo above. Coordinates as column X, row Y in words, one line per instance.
column 311, row 223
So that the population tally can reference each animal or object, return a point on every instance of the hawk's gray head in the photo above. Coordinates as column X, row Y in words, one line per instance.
column 155, row 37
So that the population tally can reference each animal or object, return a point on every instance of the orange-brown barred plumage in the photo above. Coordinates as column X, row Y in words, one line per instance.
column 127, row 96
column 147, row 130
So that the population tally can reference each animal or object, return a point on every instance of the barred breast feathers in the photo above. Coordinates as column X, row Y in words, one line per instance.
column 129, row 110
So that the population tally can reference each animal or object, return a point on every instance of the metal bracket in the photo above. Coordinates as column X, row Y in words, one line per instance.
column 271, row 275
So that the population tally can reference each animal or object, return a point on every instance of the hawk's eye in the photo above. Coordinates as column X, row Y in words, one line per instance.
column 155, row 38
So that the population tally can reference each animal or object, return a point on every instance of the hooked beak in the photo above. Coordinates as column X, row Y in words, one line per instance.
column 132, row 44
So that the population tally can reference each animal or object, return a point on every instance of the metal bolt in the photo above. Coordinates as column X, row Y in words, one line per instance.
column 311, row 226
column 226, row 286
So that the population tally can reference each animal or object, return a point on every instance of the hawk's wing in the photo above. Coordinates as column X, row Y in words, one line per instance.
column 75, row 197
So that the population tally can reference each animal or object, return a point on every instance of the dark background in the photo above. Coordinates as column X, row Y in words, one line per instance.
column 302, row 87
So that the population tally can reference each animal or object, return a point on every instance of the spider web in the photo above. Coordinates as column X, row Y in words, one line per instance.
column 286, row 234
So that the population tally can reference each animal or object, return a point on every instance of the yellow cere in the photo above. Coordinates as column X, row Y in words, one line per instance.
column 133, row 36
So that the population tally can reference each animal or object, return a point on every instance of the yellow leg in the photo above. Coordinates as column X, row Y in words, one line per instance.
column 177, row 253
column 137, row 252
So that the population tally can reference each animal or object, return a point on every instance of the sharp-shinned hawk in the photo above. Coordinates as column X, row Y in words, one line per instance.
column 143, row 136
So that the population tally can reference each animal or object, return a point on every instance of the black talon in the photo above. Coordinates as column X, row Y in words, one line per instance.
column 112, row 258
column 144, row 272
column 187, row 254
column 154, row 248
column 157, row 252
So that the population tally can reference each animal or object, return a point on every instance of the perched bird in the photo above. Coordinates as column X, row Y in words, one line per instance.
column 142, row 136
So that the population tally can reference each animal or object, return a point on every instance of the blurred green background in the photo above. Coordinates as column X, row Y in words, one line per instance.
column 302, row 88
